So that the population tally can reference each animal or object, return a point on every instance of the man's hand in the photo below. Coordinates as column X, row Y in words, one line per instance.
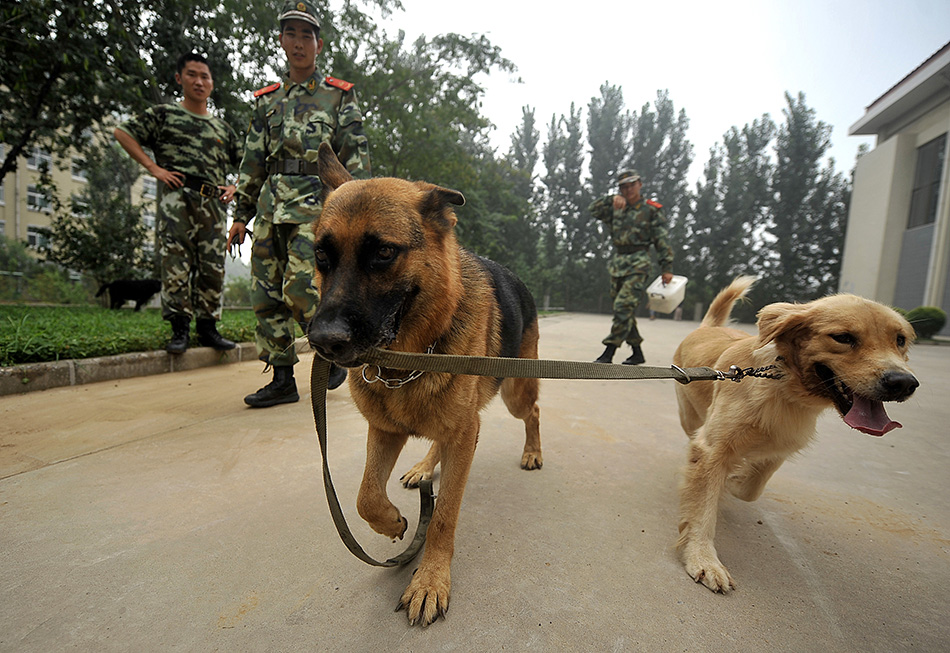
column 167, row 177
column 228, row 195
column 667, row 277
column 619, row 203
column 236, row 233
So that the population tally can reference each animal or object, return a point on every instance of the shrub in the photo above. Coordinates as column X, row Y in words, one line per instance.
column 926, row 320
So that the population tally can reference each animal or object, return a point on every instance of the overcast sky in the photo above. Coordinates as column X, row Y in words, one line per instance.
column 725, row 63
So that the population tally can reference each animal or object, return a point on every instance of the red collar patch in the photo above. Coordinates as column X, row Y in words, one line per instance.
column 267, row 89
column 339, row 83
column 655, row 205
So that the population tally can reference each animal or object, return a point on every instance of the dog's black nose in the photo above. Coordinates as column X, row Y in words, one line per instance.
column 332, row 339
column 897, row 386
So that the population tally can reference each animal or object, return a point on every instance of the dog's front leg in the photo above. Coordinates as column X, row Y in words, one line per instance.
column 704, row 481
column 372, row 503
column 427, row 596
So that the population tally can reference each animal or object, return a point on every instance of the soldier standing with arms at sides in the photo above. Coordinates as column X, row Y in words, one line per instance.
column 194, row 153
column 634, row 226
column 279, row 188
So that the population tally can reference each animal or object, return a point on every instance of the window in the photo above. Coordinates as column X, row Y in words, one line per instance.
column 39, row 159
column 148, row 218
column 80, row 206
column 35, row 199
column 923, row 200
column 3, row 228
column 2, row 184
column 34, row 238
column 78, row 169
column 149, row 187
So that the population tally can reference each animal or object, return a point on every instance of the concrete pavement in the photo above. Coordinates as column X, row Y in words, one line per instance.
column 159, row 513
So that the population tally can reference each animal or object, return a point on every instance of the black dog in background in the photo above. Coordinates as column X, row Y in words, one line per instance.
column 136, row 290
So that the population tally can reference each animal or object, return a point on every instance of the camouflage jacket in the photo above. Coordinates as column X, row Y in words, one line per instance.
column 202, row 146
column 633, row 230
column 289, row 122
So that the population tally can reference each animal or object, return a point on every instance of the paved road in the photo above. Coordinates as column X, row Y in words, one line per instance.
column 159, row 513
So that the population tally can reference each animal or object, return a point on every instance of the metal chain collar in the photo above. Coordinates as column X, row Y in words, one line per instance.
column 393, row 384
column 736, row 374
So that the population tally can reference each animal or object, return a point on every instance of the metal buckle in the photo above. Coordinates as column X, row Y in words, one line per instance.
column 207, row 190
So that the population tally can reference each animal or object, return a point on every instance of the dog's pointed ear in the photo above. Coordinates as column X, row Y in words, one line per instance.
column 779, row 320
column 435, row 205
column 329, row 169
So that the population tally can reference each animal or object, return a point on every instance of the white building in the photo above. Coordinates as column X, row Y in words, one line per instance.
column 897, row 247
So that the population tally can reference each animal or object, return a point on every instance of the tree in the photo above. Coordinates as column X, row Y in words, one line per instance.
column 662, row 154
column 809, row 209
column 724, row 232
column 608, row 134
column 101, row 232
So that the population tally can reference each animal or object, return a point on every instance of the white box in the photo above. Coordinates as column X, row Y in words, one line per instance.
column 665, row 299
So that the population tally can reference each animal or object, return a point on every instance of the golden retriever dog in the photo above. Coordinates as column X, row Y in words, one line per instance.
column 391, row 274
column 841, row 352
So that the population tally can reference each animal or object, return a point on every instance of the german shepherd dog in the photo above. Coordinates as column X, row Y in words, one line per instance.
column 840, row 351
column 391, row 274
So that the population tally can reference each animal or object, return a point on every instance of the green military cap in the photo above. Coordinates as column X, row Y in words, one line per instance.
column 627, row 177
column 294, row 9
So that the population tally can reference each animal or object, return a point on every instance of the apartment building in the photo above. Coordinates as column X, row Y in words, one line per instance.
column 24, row 208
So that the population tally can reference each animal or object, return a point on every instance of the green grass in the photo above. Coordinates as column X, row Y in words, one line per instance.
column 36, row 334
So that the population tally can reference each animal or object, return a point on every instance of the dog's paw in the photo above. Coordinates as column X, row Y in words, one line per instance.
column 388, row 521
column 531, row 460
column 416, row 475
column 710, row 572
column 427, row 597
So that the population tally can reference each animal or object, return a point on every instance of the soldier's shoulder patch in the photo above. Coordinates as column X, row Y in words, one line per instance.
column 339, row 83
column 267, row 89
column 655, row 205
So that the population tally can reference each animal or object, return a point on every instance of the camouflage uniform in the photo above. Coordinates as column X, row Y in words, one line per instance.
column 633, row 230
column 278, row 186
column 191, row 225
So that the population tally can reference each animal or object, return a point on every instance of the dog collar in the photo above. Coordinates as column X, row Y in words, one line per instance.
column 393, row 384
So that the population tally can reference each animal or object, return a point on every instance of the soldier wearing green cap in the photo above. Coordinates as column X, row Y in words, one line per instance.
column 635, row 225
column 279, row 189
column 194, row 154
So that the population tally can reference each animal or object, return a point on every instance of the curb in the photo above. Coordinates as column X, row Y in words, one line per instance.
column 20, row 379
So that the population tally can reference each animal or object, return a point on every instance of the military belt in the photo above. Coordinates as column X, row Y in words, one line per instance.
column 630, row 249
column 292, row 167
column 204, row 188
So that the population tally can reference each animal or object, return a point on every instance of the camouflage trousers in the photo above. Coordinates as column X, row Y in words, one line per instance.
column 626, row 292
column 192, row 238
column 282, row 291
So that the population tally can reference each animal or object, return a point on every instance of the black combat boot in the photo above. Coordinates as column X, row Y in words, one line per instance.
column 608, row 355
column 208, row 335
column 282, row 390
column 181, row 324
column 636, row 358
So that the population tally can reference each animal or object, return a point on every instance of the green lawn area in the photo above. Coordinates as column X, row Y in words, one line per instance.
column 35, row 334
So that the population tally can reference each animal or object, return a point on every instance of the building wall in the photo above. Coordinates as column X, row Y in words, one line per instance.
column 883, row 259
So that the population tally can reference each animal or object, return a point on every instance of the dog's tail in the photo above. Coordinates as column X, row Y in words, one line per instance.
column 721, row 307
column 104, row 287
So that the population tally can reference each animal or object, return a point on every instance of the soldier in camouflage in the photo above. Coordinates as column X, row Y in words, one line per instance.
column 194, row 153
column 634, row 226
column 278, row 187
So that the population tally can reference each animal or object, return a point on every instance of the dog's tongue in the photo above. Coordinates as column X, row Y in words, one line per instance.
column 869, row 416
